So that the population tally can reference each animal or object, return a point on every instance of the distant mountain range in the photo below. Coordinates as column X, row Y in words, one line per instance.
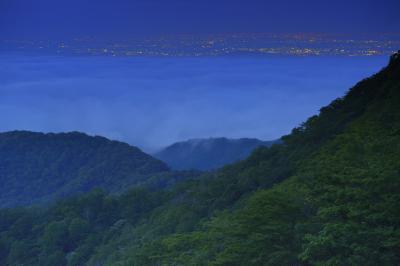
column 208, row 154
column 37, row 167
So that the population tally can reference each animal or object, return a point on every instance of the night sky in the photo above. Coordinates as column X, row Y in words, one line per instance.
column 123, row 18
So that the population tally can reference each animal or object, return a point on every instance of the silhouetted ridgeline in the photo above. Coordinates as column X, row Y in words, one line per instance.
column 328, row 195
column 208, row 154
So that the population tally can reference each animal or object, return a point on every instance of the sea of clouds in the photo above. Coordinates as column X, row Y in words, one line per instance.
column 152, row 102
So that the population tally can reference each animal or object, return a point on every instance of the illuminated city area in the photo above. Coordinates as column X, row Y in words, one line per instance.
column 216, row 45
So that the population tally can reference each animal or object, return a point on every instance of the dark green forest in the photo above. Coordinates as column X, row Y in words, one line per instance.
column 36, row 168
column 327, row 195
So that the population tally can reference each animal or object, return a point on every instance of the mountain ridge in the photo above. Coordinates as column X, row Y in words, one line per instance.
column 208, row 153
column 38, row 167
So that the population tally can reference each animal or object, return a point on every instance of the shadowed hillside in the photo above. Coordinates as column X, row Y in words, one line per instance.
column 208, row 154
column 37, row 167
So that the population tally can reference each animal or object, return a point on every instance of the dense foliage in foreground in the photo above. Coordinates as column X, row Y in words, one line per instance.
column 329, row 195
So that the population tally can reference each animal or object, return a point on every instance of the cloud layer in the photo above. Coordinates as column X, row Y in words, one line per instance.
column 152, row 102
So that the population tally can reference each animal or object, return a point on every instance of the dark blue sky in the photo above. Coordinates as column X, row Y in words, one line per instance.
column 122, row 18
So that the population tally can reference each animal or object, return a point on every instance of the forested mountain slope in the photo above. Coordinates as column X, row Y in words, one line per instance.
column 328, row 195
column 208, row 154
column 37, row 167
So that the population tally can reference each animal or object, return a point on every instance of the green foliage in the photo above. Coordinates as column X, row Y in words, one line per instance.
column 329, row 195
column 38, row 168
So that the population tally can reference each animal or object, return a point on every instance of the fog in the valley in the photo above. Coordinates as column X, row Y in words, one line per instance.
column 152, row 102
